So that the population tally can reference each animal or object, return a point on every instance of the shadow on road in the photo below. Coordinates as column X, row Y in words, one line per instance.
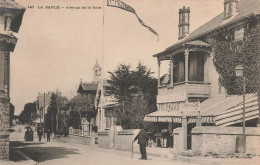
column 37, row 152
column 20, row 144
column 14, row 155
column 41, row 154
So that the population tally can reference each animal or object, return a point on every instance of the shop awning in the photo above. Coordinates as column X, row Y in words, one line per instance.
column 221, row 110
column 234, row 114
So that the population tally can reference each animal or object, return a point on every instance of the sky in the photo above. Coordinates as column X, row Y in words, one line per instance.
column 57, row 48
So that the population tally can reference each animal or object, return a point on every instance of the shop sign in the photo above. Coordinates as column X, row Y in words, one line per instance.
column 171, row 98
column 190, row 106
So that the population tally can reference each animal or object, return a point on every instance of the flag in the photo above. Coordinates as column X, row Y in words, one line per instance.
column 124, row 6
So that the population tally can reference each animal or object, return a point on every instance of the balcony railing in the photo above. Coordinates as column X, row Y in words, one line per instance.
column 191, row 88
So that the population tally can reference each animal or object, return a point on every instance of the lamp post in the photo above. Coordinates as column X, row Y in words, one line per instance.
column 239, row 73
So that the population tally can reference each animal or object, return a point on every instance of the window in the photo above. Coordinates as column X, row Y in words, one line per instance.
column 186, row 30
column 7, row 23
column 180, row 31
column 180, row 21
column 186, row 17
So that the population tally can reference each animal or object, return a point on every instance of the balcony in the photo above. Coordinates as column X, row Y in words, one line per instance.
column 190, row 88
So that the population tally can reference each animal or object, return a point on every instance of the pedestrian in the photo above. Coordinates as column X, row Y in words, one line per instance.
column 40, row 134
column 31, row 134
column 48, row 135
column 142, row 140
column 27, row 135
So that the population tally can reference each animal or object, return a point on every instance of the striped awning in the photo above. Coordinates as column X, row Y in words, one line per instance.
column 234, row 114
column 221, row 110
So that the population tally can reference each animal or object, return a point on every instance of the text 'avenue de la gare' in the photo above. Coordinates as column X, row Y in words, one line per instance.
column 63, row 7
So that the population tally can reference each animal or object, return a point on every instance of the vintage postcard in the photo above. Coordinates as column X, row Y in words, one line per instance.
column 129, row 82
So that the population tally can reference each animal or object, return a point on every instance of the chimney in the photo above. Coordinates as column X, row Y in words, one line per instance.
column 184, row 22
column 230, row 8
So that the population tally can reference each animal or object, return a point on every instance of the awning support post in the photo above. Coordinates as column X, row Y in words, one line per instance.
column 185, row 132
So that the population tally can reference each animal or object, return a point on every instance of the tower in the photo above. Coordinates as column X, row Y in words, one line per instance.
column 96, row 72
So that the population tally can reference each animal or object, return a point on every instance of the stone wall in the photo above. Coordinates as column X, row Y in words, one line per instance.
column 223, row 140
column 76, row 139
column 4, row 128
column 124, row 138
column 117, row 138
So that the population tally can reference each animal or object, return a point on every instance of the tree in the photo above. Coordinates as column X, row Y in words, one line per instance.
column 120, row 85
column 50, row 117
column 29, row 111
column 228, row 54
column 136, row 93
column 74, row 120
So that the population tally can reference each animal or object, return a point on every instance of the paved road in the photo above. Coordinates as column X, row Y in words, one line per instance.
column 75, row 154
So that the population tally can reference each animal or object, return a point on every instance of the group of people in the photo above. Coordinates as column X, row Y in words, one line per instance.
column 29, row 134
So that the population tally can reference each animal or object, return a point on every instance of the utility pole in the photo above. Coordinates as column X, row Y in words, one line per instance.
column 44, row 115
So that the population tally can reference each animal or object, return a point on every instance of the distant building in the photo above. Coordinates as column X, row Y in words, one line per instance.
column 191, row 94
column 11, row 15
column 96, row 109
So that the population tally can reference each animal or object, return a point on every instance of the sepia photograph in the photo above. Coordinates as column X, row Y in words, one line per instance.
column 135, row 82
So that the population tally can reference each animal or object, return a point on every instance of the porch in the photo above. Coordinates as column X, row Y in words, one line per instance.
column 188, row 73
column 191, row 88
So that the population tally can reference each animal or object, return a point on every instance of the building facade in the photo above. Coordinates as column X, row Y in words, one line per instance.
column 10, row 20
column 191, row 94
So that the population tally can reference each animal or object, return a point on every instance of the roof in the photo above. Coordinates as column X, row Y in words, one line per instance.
column 246, row 8
column 86, row 87
column 10, row 4
column 197, row 43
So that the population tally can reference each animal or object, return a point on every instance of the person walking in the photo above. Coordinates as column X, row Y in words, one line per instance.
column 142, row 140
column 40, row 134
column 48, row 135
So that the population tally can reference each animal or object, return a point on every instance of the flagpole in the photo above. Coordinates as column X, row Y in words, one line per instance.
column 102, row 68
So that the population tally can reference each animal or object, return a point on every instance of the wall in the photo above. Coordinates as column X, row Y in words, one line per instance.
column 76, row 139
column 178, row 140
column 117, row 138
column 124, row 138
column 4, row 127
column 222, row 140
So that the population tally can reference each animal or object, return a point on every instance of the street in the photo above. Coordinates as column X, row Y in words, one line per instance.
column 64, row 153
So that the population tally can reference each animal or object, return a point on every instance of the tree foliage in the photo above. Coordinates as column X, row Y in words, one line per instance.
column 229, row 53
column 29, row 111
column 74, row 120
column 56, row 105
column 136, row 93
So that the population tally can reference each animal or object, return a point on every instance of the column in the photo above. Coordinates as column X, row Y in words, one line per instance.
column 186, row 65
column 185, row 132
column 187, row 72
column 159, row 63
column 2, row 73
column 171, row 63
column 199, row 120
column 206, row 68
